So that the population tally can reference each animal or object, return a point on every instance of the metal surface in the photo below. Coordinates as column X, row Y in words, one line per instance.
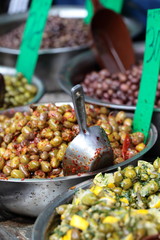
column 90, row 150
column 51, row 61
column 30, row 196
column 35, row 80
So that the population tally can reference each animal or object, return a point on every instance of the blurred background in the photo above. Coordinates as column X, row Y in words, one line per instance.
column 134, row 9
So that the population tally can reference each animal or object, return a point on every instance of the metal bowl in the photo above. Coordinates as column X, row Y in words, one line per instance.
column 30, row 196
column 51, row 61
column 48, row 218
column 35, row 80
column 75, row 71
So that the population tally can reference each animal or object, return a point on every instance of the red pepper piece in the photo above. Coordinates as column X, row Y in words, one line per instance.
column 125, row 146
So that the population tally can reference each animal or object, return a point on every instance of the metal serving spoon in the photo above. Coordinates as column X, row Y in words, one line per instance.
column 90, row 149
column 111, row 39
column 2, row 90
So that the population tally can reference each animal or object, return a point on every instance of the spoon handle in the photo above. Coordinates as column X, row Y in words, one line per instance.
column 97, row 5
column 79, row 106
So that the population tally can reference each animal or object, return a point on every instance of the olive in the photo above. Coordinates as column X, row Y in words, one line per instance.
column 33, row 165
column 56, row 141
column 15, row 173
column 44, row 145
column 150, row 188
column 70, row 116
column 118, row 177
column 24, row 170
column 106, row 228
column 44, row 155
column 2, row 163
column 45, row 166
column 137, row 138
column 156, row 163
column 88, row 198
column 54, row 162
column 7, row 170
column 60, row 209
column 130, row 173
column 126, row 183
column 24, row 159
column 140, row 147
column 120, row 117
column 15, row 162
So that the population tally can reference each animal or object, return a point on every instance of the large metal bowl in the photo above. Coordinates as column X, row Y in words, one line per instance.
column 35, row 80
column 51, row 61
column 75, row 71
column 49, row 219
column 30, row 196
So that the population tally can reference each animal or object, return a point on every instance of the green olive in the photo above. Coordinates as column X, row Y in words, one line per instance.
column 137, row 186
column 7, row 170
column 24, row 159
column 44, row 155
column 24, row 170
column 2, row 163
column 88, row 198
column 33, row 165
column 45, row 166
column 70, row 116
column 156, row 163
column 15, row 162
column 56, row 141
column 120, row 117
column 44, row 145
column 54, row 162
column 15, row 173
column 54, row 125
column 126, row 183
column 118, row 177
column 130, row 173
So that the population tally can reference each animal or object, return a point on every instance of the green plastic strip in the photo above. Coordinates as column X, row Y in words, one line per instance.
column 149, row 79
column 32, row 37
column 115, row 5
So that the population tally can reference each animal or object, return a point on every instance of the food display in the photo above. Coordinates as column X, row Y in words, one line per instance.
column 59, row 33
column 33, row 144
column 124, row 205
column 17, row 91
column 118, row 88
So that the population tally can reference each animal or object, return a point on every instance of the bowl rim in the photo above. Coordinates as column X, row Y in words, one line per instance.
column 153, row 135
column 35, row 80
column 65, row 83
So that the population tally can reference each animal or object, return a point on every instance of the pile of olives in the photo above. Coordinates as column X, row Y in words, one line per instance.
column 33, row 144
column 17, row 91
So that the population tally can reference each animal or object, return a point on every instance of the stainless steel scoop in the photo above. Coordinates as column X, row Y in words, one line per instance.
column 90, row 149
